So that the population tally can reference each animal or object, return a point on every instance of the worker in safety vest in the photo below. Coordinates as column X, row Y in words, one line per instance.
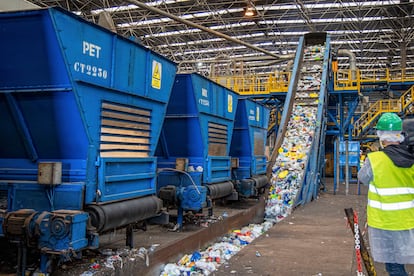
column 390, row 207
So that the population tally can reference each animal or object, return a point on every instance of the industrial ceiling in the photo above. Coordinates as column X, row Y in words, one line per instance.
column 216, row 37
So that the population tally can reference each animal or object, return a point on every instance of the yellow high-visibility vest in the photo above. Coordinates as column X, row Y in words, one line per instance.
column 390, row 203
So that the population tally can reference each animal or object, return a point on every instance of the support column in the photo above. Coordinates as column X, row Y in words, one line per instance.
column 403, row 53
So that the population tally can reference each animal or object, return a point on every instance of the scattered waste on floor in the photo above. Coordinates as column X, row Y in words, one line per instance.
column 206, row 261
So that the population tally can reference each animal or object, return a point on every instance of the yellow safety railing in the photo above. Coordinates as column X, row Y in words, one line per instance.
column 407, row 101
column 279, row 82
column 256, row 84
column 353, row 79
column 344, row 80
column 392, row 105
column 347, row 80
column 401, row 75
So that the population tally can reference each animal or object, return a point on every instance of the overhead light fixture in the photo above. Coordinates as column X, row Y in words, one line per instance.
column 249, row 11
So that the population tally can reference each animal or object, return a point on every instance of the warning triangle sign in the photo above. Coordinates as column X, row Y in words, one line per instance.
column 156, row 74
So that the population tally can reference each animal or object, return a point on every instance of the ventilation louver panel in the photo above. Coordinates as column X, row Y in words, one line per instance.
column 125, row 131
column 217, row 139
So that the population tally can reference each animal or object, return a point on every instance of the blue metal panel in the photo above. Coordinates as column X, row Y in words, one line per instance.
column 249, row 137
column 73, row 170
column 218, row 169
column 197, row 106
column 118, row 175
column 353, row 153
column 54, row 123
column 43, row 198
column 97, row 56
column 259, row 165
column 31, row 60
column 213, row 99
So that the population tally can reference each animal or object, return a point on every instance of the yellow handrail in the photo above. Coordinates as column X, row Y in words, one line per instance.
column 381, row 106
column 256, row 84
column 347, row 80
column 344, row 80
column 407, row 101
column 352, row 80
column 404, row 104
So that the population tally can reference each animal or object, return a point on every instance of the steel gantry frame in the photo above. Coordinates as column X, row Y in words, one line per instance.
column 379, row 33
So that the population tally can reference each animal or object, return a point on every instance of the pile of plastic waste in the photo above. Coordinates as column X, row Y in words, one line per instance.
column 206, row 261
column 287, row 173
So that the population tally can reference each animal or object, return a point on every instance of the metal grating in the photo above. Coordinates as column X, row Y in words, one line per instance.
column 125, row 131
column 217, row 139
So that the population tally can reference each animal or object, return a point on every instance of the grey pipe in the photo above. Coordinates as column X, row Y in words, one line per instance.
column 201, row 27
column 352, row 61
column 289, row 65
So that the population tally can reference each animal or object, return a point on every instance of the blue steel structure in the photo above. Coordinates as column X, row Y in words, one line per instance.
column 248, row 148
column 81, row 110
column 193, row 151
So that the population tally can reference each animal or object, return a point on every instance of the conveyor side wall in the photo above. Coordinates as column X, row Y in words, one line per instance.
column 287, row 108
column 315, row 166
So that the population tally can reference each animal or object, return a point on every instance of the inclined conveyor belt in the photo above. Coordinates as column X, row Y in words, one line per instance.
column 295, row 175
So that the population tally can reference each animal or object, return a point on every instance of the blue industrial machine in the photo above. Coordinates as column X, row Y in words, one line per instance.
column 346, row 156
column 81, row 111
column 248, row 148
column 193, row 151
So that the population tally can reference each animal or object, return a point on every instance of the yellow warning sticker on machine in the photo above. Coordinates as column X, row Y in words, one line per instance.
column 229, row 103
column 156, row 74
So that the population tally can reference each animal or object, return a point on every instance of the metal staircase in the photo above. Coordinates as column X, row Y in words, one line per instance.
column 404, row 106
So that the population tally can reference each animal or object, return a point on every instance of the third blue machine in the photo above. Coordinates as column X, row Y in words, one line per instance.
column 212, row 145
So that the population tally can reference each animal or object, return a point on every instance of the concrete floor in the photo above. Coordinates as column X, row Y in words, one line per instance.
column 314, row 240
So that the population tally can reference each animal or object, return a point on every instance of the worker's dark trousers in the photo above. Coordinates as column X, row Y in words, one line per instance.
column 395, row 269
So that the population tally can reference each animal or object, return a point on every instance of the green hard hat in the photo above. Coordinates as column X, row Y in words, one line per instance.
column 389, row 122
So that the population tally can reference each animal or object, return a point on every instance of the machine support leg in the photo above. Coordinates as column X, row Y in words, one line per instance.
column 45, row 262
column 210, row 207
column 21, row 259
column 129, row 236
